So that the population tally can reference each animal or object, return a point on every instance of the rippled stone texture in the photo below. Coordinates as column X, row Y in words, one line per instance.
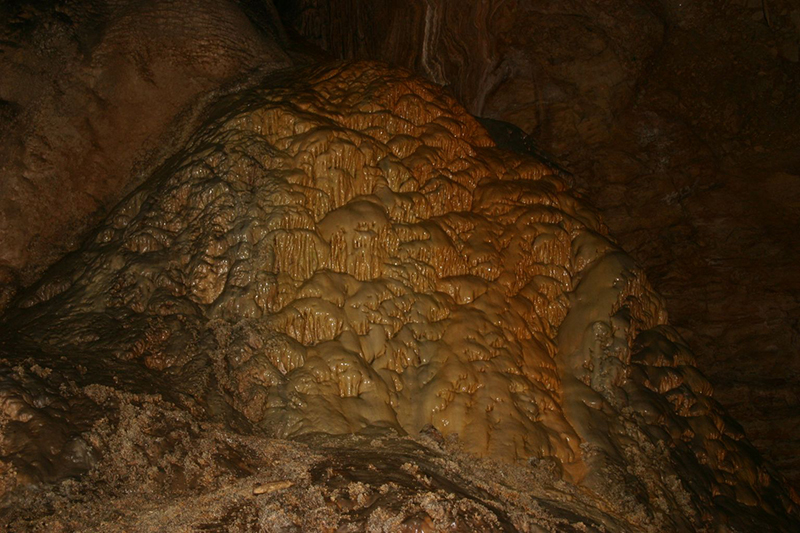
column 679, row 122
column 344, row 250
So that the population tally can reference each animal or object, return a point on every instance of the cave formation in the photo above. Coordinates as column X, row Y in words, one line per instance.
column 248, row 286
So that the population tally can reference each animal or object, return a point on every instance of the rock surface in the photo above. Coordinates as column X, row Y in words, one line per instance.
column 678, row 121
column 344, row 250
column 89, row 95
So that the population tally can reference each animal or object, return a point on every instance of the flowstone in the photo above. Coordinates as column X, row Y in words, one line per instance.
column 344, row 250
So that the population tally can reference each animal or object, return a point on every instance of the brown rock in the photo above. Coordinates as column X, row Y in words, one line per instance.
column 343, row 250
column 673, row 117
column 88, row 96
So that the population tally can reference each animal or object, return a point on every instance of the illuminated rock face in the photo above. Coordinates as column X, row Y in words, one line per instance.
column 344, row 250
column 653, row 107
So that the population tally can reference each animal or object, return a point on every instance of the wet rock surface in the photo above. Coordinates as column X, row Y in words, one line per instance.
column 678, row 121
column 344, row 250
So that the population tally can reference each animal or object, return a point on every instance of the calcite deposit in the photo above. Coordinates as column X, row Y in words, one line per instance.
column 679, row 121
column 343, row 250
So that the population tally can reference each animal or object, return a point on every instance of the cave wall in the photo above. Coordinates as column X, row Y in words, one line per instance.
column 678, row 121
column 93, row 95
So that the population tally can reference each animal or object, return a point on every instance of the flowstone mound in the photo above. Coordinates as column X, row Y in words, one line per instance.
column 343, row 250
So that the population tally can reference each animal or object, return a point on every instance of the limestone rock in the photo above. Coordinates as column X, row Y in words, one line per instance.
column 679, row 122
column 343, row 250
column 94, row 94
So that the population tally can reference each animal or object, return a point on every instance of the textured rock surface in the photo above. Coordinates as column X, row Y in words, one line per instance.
column 89, row 91
column 344, row 250
column 678, row 120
